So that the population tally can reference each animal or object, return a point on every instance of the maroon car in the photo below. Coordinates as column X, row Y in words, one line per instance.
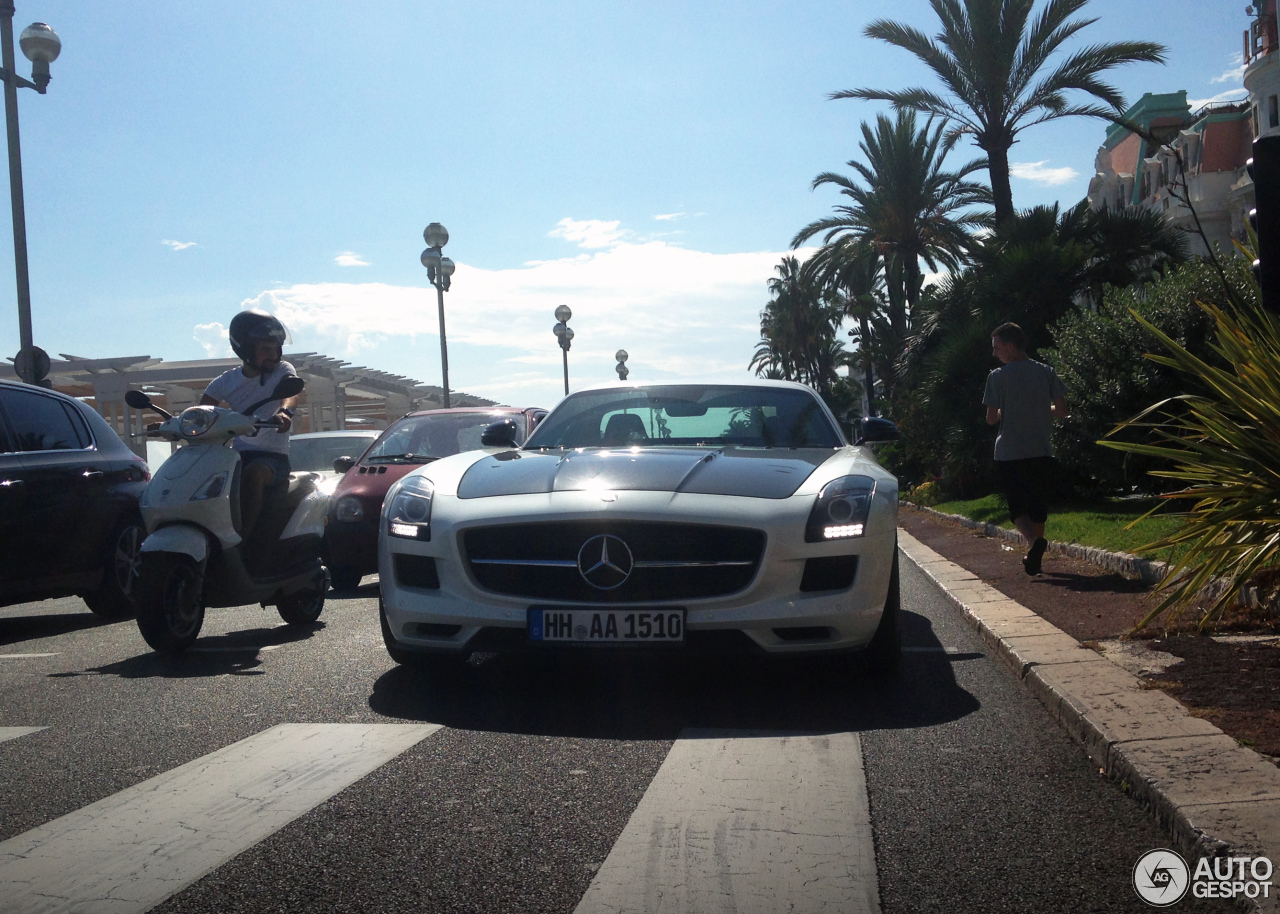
column 351, row 532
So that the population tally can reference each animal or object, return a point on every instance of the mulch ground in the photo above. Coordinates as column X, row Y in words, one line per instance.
column 1234, row 686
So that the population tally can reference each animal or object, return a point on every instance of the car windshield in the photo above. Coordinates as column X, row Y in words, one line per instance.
column 689, row 415
column 314, row 455
column 419, row 439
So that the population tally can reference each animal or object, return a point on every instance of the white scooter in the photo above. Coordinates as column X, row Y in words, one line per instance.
column 196, row 555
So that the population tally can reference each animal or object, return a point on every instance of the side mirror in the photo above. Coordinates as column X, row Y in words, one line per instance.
column 873, row 429
column 138, row 400
column 502, row 433
column 342, row 464
column 289, row 386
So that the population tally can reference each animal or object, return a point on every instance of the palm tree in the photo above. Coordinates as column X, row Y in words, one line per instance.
column 989, row 58
column 908, row 207
column 850, row 269
column 798, row 331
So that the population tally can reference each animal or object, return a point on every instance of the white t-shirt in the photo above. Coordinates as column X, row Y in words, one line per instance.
column 241, row 392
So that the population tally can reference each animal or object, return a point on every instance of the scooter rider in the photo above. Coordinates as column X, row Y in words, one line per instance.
column 258, row 338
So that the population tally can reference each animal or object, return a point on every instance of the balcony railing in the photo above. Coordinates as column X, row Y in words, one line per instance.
column 1260, row 38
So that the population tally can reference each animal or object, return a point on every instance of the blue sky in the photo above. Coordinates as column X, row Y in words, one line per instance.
column 646, row 164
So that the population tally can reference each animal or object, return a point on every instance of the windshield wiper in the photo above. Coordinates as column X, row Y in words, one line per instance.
column 401, row 458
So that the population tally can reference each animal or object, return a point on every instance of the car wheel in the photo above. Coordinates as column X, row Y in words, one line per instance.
column 170, row 602
column 114, row 597
column 441, row 664
column 885, row 650
column 344, row 578
column 302, row 608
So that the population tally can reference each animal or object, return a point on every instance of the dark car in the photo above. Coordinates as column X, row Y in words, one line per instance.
column 351, row 533
column 69, row 490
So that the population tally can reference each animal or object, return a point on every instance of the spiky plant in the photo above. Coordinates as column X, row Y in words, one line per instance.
column 1223, row 443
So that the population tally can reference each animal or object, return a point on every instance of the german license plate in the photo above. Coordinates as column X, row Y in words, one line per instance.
column 606, row 626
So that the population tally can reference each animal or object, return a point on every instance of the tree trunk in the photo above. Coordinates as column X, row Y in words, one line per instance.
column 867, row 374
column 1001, row 192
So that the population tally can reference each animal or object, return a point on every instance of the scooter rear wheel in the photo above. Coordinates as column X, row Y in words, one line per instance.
column 170, row 606
column 302, row 608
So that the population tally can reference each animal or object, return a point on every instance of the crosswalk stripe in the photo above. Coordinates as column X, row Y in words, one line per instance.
column 130, row 851
column 739, row 821
column 8, row 733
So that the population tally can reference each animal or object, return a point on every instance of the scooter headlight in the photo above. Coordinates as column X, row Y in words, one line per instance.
column 841, row 509
column 196, row 420
column 408, row 508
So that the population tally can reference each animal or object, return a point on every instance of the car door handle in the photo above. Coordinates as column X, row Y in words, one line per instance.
column 91, row 473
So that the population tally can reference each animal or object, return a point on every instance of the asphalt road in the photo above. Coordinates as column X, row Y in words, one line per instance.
column 977, row 800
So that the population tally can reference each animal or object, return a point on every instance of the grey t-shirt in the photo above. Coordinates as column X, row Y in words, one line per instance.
column 1023, row 391
column 233, row 387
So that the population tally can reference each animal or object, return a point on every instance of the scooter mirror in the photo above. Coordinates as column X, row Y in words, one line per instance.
column 137, row 399
column 289, row 386
column 342, row 464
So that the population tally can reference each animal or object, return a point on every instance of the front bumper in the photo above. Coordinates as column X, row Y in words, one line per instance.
column 771, row 614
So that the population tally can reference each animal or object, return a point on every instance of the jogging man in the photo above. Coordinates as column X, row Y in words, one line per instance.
column 1024, row 396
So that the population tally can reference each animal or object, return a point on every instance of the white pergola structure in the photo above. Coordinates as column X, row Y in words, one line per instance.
column 338, row 395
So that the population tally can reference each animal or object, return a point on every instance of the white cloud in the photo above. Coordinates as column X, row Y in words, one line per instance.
column 213, row 337
column 1235, row 74
column 589, row 233
column 178, row 245
column 667, row 217
column 680, row 313
column 1231, row 95
column 350, row 259
column 1036, row 171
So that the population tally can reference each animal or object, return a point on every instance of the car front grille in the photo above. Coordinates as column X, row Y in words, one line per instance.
column 665, row 561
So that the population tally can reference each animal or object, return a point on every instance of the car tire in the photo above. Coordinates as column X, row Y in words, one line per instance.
column 885, row 650
column 113, row 599
column 303, row 607
column 170, row 601
column 344, row 578
column 435, row 663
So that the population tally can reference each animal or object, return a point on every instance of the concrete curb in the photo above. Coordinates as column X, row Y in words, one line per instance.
column 1149, row 571
column 1210, row 794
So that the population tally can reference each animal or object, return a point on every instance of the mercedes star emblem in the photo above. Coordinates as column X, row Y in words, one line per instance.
column 605, row 562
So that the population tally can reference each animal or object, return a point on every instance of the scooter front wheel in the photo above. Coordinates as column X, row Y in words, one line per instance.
column 170, row 605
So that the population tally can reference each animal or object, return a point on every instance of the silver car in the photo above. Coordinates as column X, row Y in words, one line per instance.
column 650, row 517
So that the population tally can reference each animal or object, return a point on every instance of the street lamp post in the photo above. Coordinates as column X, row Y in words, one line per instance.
column 41, row 46
column 439, row 269
column 621, row 369
column 565, row 336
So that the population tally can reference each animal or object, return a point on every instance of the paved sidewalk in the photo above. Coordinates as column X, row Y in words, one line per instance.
column 1212, row 795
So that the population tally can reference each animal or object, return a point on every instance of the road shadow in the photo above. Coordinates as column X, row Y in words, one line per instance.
column 615, row 696
column 1083, row 583
column 235, row 653
column 16, row 629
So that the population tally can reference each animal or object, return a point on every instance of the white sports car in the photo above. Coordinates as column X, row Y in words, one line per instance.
column 641, row 517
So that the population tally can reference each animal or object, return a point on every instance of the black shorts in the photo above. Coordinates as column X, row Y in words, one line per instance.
column 1025, row 484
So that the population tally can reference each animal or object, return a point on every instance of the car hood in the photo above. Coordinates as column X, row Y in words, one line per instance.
column 753, row 472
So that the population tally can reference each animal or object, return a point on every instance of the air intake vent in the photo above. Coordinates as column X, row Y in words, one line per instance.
column 416, row 571
column 832, row 572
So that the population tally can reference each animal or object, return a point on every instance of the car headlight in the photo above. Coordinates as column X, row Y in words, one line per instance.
column 211, row 487
column 349, row 509
column 196, row 420
column 841, row 509
column 408, row 508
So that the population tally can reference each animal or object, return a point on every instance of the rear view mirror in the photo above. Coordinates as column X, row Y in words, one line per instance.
column 682, row 409
column 873, row 429
column 502, row 433
column 289, row 386
column 138, row 400
column 342, row 464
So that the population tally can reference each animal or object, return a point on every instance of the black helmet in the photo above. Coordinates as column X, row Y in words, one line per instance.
column 248, row 328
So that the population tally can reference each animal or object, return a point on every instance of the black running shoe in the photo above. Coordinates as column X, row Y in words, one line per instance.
column 1032, row 562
